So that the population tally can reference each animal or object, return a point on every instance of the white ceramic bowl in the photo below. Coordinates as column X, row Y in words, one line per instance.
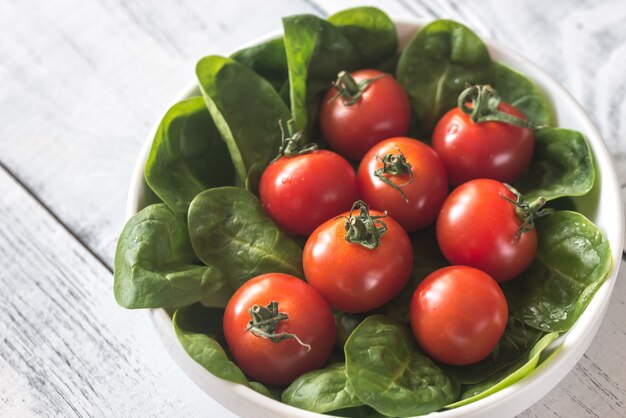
column 603, row 206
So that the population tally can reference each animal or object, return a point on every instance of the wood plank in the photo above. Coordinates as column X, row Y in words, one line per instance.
column 66, row 348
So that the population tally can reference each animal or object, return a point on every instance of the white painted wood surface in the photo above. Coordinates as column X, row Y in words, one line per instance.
column 81, row 82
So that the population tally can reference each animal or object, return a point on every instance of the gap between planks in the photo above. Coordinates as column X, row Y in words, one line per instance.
column 54, row 216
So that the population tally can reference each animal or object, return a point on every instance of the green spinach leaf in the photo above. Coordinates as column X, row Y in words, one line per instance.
column 322, row 390
column 371, row 31
column 427, row 258
column 267, row 59
column 230, row 230
column 356, row 412
column 507, row 377
column 573, row 259
column 199, row 330
column 187, row 156
column 562, row 165
column 522, row 93
column 246, row 110
column 316, row 52
column 345, row 323
column 155, row 264
column 435, row 66
column 387, row 372
column 515, row 343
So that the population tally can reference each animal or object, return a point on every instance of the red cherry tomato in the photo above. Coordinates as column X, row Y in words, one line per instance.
column 353, row 278
column 478, row 227
column 494, row 150
column 382, row 111
column 300, row 192
column 425, row 186
column 308, row 317
column 458, row 315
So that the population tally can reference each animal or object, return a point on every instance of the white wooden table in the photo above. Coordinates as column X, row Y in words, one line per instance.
column 82, row 81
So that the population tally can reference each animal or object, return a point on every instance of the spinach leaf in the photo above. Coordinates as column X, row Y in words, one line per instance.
column 435, row 66
column 356, row 412
column 562, row 165
column 387, row 372
column 155, row 264
column 199, row 330
column 253, row 179
column 389, row 65
column 563, row 203
column 345, row 323
column 426, row 259
column 322, row 390
column 267, row 59
column 246, row 110
column 316, row 52
column 517, row 90
column 230, row 230
column 573, row 259
column 507, row 377
column 187, row 156
column 371, row 31
column 515, row 343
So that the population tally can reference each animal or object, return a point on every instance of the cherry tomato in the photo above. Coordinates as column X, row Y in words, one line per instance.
column 495, row 150
column 351, row 277
column 458, row 315
column 419, row 190
column 479, row 227
column 302, row 191
column 382, row 111
column 303, row 339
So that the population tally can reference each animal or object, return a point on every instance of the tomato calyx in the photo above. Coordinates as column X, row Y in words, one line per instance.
column 291, row 143
column 349, row 90
column 364, row 229
column 264, row 321
column 527, row 212
column 481, row 103
column 394, row 165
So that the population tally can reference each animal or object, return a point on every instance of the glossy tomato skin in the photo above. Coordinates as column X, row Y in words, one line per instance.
column 300, row 192
column 494, row 150
column 425, row 193
column 458, row 315
column 309, row 317
column 351, row 277
column 477, row 226
column 383, row 111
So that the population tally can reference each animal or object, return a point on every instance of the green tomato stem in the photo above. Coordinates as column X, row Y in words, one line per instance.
column 264, row 322
column 527, row 212
column 364, row 229
column 394, row 165
column 291, row 143
column 481, row 103
column 349, row 90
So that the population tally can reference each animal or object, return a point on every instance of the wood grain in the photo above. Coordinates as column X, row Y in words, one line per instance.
column 66, row 348
column 81, row 83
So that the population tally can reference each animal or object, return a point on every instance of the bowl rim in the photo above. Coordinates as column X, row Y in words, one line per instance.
column 516, row 397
